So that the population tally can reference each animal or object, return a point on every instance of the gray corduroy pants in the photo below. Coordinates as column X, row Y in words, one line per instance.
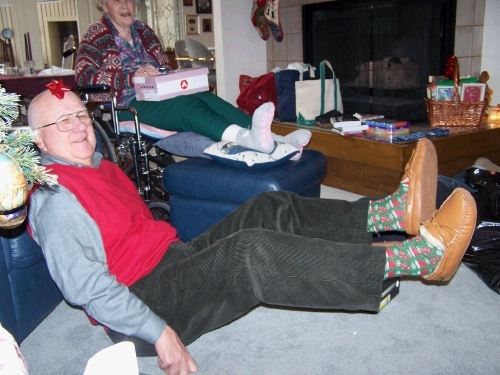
column 277, row 249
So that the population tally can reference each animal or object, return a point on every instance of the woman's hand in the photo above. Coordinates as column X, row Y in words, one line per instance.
column 173, row 357
column 146, row 71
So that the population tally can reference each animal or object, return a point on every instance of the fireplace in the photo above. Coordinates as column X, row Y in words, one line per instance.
column 382, row 51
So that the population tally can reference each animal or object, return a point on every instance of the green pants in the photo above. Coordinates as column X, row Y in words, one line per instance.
column 278, row 249
column 203, row 113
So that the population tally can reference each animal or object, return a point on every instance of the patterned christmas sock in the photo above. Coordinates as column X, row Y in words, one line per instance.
column 258, row 19
column 415, row 257
column 389, row 213
column 273, row 19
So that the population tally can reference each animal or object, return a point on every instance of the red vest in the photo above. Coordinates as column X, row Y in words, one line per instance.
column 134, row 241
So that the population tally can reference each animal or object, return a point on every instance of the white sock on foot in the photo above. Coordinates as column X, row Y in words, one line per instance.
column 298, row 138
column 259, row 137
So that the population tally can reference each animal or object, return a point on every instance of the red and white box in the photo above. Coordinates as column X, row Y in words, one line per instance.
column 183, row 82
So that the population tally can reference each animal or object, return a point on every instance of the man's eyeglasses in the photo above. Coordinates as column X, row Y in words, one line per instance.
column 67, row 122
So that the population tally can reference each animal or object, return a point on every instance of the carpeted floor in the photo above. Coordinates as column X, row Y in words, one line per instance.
column 427, row 329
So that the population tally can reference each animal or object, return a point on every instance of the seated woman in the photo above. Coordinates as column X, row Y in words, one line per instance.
column 118, row 48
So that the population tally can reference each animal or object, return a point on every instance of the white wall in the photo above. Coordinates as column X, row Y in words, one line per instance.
column 491, row 48
column 27, row 22
column 88, row 13
column 238, row 48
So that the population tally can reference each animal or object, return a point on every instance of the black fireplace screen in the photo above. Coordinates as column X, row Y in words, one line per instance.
column 381, row 51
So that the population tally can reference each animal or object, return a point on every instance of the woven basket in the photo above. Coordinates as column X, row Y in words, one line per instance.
column 454, row 112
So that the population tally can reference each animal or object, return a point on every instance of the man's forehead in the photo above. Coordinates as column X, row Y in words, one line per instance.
column 70, row 104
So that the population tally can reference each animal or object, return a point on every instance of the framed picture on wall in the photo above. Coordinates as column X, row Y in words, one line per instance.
column 203, row 6
column 192, row 24
column 187, row 3
column 206, row 25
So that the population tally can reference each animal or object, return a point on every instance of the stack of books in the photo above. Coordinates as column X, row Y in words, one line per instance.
column 348, row 126
column 386, row 129
column 367, row 116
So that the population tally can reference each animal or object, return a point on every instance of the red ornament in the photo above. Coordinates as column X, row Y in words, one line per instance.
column 58, row 88
column 449, row 70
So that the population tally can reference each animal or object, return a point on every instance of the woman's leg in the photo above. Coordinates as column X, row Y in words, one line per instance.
column 182, row 113
column 225, row 109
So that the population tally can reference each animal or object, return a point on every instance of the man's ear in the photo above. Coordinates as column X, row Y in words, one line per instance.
column 39, row 142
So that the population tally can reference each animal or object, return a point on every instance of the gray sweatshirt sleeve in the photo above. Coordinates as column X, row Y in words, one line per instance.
column 72, row 245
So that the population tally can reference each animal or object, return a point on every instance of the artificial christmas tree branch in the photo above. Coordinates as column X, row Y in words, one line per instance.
column 18, row 144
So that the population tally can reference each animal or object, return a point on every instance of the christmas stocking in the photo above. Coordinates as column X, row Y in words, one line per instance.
column 258, row 19
column 273, row 19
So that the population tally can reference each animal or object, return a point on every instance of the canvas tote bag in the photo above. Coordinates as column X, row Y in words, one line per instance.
column 317, row 96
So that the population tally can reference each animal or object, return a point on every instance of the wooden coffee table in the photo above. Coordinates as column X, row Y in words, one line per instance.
column 372, row 168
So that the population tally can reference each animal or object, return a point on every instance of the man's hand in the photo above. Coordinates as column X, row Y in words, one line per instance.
column 173, row 357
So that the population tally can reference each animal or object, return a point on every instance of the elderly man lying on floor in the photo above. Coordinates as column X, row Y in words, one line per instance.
column 132, row 274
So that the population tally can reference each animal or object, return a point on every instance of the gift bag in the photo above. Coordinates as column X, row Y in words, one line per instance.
column 285, row 89
column 255, row 91
column 315, row 97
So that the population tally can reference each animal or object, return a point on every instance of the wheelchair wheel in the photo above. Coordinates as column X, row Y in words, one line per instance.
column 160, row 211
column 104, row 144
column 158, row 159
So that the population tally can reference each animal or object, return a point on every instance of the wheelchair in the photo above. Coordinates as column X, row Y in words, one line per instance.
column 134, row 152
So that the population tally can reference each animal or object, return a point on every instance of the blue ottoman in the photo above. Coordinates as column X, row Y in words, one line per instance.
column 204, row 191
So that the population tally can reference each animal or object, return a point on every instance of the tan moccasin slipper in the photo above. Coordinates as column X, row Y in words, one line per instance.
column 422, row 171
column 451, row 229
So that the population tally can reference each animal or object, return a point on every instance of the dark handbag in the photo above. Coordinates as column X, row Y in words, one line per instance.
column 285, row 90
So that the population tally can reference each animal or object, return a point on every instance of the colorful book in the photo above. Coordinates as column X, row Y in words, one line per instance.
column 387, row 133
column 390, row 131
column 387, row 123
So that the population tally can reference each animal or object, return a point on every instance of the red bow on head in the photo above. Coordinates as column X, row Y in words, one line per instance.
column 57, row 88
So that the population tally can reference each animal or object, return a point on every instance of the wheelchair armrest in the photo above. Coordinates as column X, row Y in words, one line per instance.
column 94, row 89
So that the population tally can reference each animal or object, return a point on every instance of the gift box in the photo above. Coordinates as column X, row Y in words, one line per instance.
column 184, row 82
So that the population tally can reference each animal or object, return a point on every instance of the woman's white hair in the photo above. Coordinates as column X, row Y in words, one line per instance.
column 100, row 3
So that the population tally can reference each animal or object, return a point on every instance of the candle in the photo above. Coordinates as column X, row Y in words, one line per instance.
column 30, row 55
column 494, row 115
column 26, row 47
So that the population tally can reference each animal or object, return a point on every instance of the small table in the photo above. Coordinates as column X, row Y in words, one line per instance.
column 374, row 168
column 33, row 85
column 29, row 86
